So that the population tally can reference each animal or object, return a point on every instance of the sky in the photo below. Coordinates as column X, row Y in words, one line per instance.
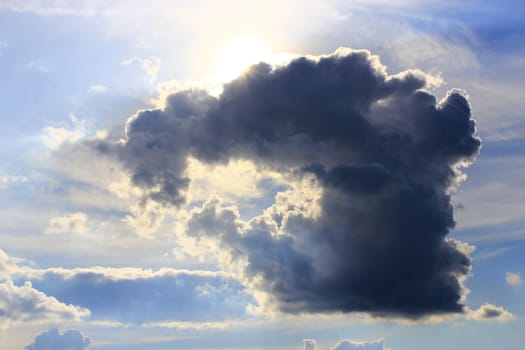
column 262, row 175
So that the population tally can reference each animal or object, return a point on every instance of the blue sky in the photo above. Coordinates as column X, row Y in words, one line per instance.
column 150, row 203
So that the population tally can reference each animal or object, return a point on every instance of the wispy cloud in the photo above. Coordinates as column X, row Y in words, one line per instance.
column 54, row 137
column 490, row 254
column 7, row 181
column 150, row 65
column 70, row 223
column 513, row 278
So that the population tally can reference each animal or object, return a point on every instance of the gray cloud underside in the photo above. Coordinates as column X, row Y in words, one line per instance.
column 54, row 339
column 384, row 151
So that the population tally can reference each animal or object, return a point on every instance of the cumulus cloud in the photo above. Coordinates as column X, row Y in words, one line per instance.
column 54, row 339
column 489, row 312
column 384, row 153
column 27, row 304
column 75, row 223
column 513, row 278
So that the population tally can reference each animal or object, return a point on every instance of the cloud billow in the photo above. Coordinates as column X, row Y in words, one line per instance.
column 54, row 339
column 384, row 151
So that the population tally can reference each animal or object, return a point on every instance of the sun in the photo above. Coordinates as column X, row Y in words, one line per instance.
column 239, row 54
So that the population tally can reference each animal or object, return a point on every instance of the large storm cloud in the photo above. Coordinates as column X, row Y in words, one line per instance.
column 385, row 153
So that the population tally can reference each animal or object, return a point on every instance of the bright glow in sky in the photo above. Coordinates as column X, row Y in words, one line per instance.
column 153, row 197
column 239, row 54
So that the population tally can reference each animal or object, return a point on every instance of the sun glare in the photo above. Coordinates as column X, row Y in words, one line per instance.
column 238, row 55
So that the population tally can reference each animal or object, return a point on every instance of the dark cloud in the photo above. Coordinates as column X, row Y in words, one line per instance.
column 54, row 339
column 384, row 151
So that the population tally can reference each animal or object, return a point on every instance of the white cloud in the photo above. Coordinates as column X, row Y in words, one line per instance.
column 54, row 137
column 25, row 304
column 10, row 268
column 75, row 223
column 513, row 278
column 489, row 312
column 54, row 339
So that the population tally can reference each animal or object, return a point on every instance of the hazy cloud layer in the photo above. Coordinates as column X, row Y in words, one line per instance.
column 384, row 152
column 54, row 339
